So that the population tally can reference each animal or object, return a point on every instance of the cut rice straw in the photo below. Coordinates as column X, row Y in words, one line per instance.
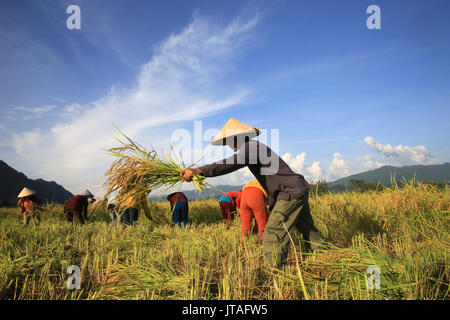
column 136, row 172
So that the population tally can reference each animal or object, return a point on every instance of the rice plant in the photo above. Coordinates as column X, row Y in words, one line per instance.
column 403, row 231
column 137, row 171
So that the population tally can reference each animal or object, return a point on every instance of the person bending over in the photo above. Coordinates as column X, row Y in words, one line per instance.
column 77, row 207
column 253, row 204
column 29, row 205
column 179, row 206
column 287, row 190
column 229, row 202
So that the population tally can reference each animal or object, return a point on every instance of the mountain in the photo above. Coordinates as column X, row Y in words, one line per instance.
column 207, row 193
column 12, row 182
column 422, row 173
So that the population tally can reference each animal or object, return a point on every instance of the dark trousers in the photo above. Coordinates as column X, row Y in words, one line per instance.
column 70, row 213
column 26, row 218
column 227, row 210
column 285, row 216
column 130, row 216
column 180, row 213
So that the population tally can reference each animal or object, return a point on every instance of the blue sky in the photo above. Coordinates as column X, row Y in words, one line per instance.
column 344, row 98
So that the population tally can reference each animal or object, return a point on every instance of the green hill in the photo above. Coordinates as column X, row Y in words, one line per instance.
column 422, row 173
column 206, row 194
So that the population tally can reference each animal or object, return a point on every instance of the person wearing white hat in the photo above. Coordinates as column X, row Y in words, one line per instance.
column 111, row 207
column 287, row 190
column 89, row 195
column 29, row 206
column 77, row 206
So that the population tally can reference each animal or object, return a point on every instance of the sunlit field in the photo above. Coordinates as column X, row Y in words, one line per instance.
column 405, row 232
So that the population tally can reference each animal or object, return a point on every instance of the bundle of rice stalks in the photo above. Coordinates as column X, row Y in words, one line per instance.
column 137, row 171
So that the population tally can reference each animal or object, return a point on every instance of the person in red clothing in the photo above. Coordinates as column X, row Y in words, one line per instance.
column 253, row 204
column 29, row 205
column 229, row 202
column 77, row 207
column 179, row 206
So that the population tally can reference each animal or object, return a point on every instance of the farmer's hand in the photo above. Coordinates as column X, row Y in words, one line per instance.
column 187, row 174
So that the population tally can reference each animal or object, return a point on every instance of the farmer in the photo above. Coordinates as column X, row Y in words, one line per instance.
column 111, row 207
column 288, row 191
column 77, row 206
column 130, row 214
column 228, row 203
column 253, row 203
column 29, row 205
column 179, row 205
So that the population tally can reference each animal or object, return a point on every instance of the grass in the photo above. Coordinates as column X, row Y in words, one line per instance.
column 403, row 231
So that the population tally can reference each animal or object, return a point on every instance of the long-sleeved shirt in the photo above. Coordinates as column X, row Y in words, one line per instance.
column 269, row 169
column 29, row 205
column 176, row 197
column 235, row 197
column 77, row 203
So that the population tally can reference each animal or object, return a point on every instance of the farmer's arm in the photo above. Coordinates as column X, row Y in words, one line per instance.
column 218, row 168
column 238, row 202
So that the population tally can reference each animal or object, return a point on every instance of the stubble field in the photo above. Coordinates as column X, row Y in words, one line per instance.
column 405, row 232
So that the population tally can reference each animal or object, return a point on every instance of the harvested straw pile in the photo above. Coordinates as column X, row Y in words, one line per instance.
column 136, row 172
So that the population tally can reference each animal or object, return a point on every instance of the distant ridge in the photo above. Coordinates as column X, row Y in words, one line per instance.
column 12, row 182
column 206, row 194
column 421, row 173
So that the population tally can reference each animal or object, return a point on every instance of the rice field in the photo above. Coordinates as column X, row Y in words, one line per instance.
column 405, row 232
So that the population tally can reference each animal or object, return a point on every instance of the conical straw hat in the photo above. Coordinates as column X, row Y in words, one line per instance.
column 87, row 193
column 26, row 192
column 235, row 128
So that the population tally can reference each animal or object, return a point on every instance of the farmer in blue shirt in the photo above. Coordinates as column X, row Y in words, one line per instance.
column 179, row 205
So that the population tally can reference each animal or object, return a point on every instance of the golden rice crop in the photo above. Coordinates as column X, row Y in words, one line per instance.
column 137, row 171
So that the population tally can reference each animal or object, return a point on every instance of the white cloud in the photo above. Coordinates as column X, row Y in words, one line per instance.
column 72, row 108
column 236, row 178
column 181, row 82
column 314, row 172
column 295, row 163
column 367, row 162
column 402, row 155
column 4, row 138
column 34, row 112
column 339, row 167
